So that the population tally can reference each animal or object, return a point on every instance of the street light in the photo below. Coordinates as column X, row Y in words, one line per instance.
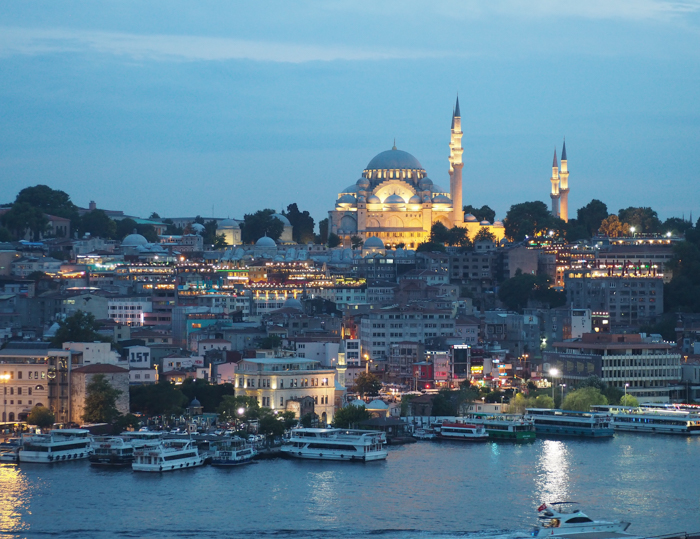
column 4, row 377
column 562, row 386
column 553, row 373
column 626, row 386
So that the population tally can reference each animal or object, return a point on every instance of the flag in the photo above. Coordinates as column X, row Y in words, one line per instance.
column 542, row 507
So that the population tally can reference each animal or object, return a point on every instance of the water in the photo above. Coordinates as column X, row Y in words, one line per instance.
column 427, row 490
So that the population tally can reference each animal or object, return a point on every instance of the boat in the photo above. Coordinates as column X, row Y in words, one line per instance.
column 167, row 456
column 233, row 452
column 9, row 451
column 570, row 423
column 654, row 420
column 142, row 438
column 512, row 427
column 464, row 432
column 424, row 434
column 560, row 519
column 111, row 451
column 58, row 445
column 336, row 444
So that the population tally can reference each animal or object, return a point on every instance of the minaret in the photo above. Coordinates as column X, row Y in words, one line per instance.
column 564, row 186
column 342, row 364
column 456, row 166
column 555, row 186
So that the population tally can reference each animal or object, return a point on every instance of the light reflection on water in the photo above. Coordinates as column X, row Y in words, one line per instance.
column 553, row 471
column 15, row 499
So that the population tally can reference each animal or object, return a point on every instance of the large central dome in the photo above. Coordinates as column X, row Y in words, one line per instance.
column 394, row 159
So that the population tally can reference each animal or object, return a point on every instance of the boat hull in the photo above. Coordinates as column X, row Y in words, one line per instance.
column 582, row 432
column 103, row 460
column 168, row 466
column 40, row 457
column 329, row 455
column 526, row 436
column 596, row 528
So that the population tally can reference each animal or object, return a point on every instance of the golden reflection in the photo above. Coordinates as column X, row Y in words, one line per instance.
column 14, row 502
column 552, row 483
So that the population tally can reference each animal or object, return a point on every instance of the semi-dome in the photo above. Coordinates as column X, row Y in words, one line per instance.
column 265, row 242
column 438, row 189
column 470, row 218
column 350, row 189
column 363, row 183
column 346, row 199
column 484, row 223
column 373, row 199
column 134, row 240
column 282, row 218
column 415, row 199
column 373, row 243
column 441, row 199
column 498, row 224
column 425, row 184
column 394, row 199
column 394, row 159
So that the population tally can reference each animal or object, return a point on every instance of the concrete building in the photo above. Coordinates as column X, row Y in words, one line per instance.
column 94, row 352
column 130, row 311
column 117, row 377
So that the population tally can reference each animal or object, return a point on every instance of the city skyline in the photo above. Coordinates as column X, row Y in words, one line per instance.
column 242, row 109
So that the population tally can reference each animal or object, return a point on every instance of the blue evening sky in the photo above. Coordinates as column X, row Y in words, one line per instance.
column 189, row 108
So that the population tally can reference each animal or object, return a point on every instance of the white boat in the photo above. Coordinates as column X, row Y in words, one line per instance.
column 167, row 456
column 233, row 452
column 560, row 519
column 336, row 444
column 424, row 434
column 570, row 423
column 9, row 450
column 142, row 438
column 111, row 451
column 656, row 420
column 58, row 445
column 467, row 432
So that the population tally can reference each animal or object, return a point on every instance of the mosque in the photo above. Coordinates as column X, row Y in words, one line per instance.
column 397, row 202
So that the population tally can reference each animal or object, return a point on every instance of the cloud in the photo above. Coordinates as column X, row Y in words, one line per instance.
column 32, row 41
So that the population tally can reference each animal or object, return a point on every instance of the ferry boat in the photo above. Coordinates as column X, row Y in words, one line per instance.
column 58, row 445
column 233, row 452
column 167, row 456
column 336, row 444
column 655, row 420
column 111, row 451
column 570, row 423
column 512, row 427
column 467, row 432
column 9, row 451
column 560, row 519
column 142, row 438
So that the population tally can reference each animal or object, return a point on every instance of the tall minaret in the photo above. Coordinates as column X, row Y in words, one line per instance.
column 564, row 186
column 342, row 363
column 555, row 186
column 456, row 166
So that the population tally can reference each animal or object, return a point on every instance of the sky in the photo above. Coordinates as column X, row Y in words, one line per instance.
column 224, row 108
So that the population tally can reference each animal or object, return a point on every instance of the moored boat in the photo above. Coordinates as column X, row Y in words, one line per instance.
column 58, row 445
column 560, row 519
column 465, row 432
column 650, row 420
column 233, row 452
column 336, row 444
column 511, row 427
column 424, row 434
column 167, row 456
column 111, row 451
column 570, row 423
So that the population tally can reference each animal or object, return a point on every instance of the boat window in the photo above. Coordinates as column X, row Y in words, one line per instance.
column 578, row 520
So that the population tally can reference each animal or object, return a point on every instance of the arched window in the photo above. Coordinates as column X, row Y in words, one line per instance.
column 39, row 387
column 11, row 417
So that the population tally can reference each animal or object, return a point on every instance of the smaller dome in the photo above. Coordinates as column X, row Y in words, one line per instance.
column 363, row 183
column 438, row 189
column 198, row 227
column 470, row 218
column 350, row 189
column 195, row 403
column 227, row 223
column 498, row 224
column 415, row 199
column 485, row 223
column 373, row 243
column 373, row 199
column 394, row 199
column 265, row 242
column 357, row 402
column 377, row 405
column 282, row 218
column 346, row 199
column 292, row 303
column 134, row 240
column 441, row 199
column 425, row 184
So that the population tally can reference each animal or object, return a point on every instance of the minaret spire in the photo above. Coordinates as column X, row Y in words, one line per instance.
column 555, row 186
column 456, row 166
column 564, row 186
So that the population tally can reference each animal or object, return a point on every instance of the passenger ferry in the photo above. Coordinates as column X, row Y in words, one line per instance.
column 336, row 444
column 142, row 438
column 58, row 445
column 465, row 432
column 167, row 456
column 560, row 519
column 111, row 451
column 513, row 427
column 569, row 423
column 233, row 452
column 654, row 420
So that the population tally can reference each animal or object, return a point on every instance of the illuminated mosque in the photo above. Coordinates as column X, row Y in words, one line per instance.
column 395, row 201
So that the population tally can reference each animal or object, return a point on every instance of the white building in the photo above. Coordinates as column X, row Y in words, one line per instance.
column 326, row 353
column 94, row 352
column 205, row 345
column 129, row 311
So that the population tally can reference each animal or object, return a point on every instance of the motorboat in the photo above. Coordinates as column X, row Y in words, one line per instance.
column 111, row 451
column 562, row 519
column 511, row 427
column 167, row 456
column 464, row 432
column 58, row 445
column 233, row 452
column 336, row 444
column 424, row 434
column 652, row 420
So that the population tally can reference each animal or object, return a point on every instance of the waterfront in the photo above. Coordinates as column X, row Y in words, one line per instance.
column 442, row 489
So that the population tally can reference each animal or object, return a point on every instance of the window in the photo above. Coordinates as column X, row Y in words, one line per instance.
column 19, row 375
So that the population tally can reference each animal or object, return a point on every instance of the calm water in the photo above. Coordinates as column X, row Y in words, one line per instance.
column 427, row 490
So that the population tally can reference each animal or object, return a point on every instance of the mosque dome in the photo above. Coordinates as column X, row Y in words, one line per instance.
column 363, row 183
column 498, row 224
column 373, row 199
column 441, row 199
column 426, row 184
column 415, row 199
column 350, row 189
column 470, row 218
column 227, row 223
column 394, row 199
column 373, row 243
column 282, row 218
column 346, row 199
column 195, row 403
column 438, row 189
column 485, row 223
column 134, row 240
column 265, row 242
column 292, row 303
column 394, row 159
column 357, row 402
column 377, row 405
column 198, row 227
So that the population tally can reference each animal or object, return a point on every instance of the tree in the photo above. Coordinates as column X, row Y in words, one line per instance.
column 582, row 399
column 41, row 417
column 220, row 242
column 154, row 215
column 289, row 418
column 259, row 224
column 333, row 240
column 209, row 395
column 430, row 247
column 683, row 292
column 676, row 226
column 79, row 327
column 530, row 219
column 271, row 342
column 517, row 291
column 367, row 383
column 350, row 416
column 482, row 214
column 125, row 422
column 484, row 234
column 543, row 401
column 439, row 233
column 356, row 242
column 302, row 224
column 613, row 228
column 309, row 420
column 5, row 235
column 629, row 400
column 97, row 223
column 209, row 233
column 269, row 424
column 323, row 231
column 163, row 398
column 644, row 220
column 51, row 201
column 100, row 401
column 458, row 237
column 592, row 215
column 23, row 217
column 231, row 406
